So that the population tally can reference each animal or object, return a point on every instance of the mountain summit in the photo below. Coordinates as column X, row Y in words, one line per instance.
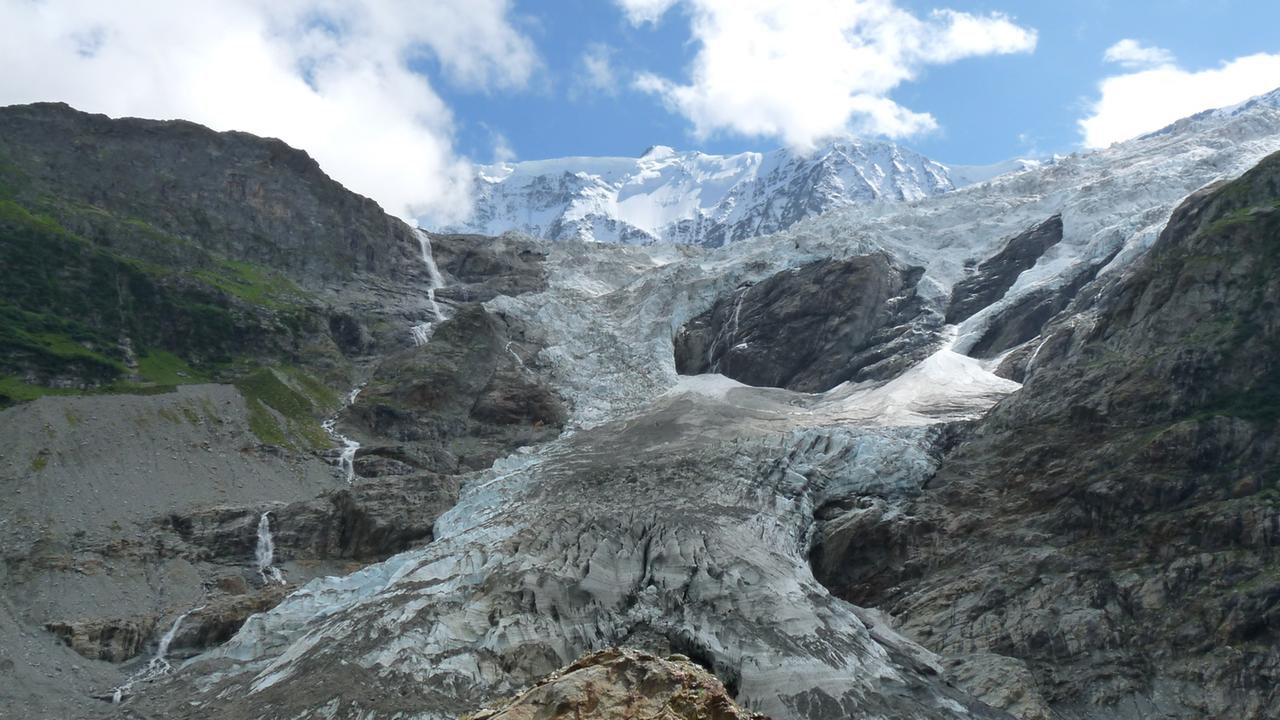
column 692, row 197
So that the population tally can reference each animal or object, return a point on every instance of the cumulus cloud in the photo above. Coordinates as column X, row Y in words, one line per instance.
column 341, row 80
column 805, row 71
column 596, row 73
column 1132, row 54
column 1139, row 102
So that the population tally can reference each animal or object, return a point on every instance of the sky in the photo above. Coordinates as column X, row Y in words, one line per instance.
column 400, row 99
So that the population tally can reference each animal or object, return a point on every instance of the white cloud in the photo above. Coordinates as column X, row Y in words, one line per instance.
column 645, row 11
column 502, row 150
column 804, row 71
column 1140, row 102
column 1133, row 55
column 596, row 73
column 337, row 79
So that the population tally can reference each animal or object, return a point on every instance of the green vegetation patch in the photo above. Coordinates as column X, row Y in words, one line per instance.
column 164, row 368
column 253, row 284
column 282, row 411
column 68, row 305
column 14, row 390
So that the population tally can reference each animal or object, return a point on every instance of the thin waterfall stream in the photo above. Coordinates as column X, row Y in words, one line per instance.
column 265, row 552
column 159, row 665
column 422, row 331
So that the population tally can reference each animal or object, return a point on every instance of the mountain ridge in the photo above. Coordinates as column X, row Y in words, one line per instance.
column 693, row 197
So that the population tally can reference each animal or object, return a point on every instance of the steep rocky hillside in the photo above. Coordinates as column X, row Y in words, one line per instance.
column 1111, row 528
column 184, row 317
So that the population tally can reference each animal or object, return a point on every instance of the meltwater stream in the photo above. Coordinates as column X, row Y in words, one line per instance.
column 159, row 663
column 347, row 458
column 265, row 552
column 422, row 331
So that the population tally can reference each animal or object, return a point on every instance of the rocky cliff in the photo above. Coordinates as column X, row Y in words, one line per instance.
column 1109, row 529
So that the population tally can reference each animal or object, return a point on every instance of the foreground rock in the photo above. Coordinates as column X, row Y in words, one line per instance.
column 620, row 684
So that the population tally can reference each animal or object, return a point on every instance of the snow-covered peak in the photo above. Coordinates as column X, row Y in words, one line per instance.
column 692, row 197
column 658, row 152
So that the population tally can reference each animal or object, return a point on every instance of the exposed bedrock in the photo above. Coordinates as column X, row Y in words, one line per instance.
column 479, row 268
column 371, row 520
column 470, row 396
column 814, row 327
column 1027, row 318
column 1113, row 525
column 993, row 277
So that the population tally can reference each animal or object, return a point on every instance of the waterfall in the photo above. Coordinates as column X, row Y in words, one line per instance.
column 721, row 341
column 159, row 664
column 160, row 661
column 347, row 458
column 422, row 331
column 266, row 552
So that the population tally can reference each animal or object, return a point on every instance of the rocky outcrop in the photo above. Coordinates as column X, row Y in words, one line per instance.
column 368, row 521
column 1113, row 525
column 1027, row 317
column 993, row 277
column 620, row 684
column 813, row 327
column 214, row 622
column 482, row 267
column 113, row 640
column 468, row 397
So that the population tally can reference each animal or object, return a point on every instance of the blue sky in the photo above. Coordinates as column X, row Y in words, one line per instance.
column 988, row 108
column 399, row 99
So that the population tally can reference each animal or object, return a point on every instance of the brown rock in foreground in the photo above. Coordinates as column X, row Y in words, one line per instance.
column 623, row 683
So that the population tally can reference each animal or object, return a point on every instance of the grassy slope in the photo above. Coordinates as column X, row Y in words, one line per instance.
column 79, row 316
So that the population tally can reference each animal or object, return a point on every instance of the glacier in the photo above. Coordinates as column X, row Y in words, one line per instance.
column 682, row 509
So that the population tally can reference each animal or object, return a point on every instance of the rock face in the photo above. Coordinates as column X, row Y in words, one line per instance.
column 813, row 327
column 481, row 267
column 465, row 399
column 993, row 277
column 370, row 521
column 111, row 640
column 1029, row 315
column 1113, row 525
column 619, row 684
column 233, row 194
